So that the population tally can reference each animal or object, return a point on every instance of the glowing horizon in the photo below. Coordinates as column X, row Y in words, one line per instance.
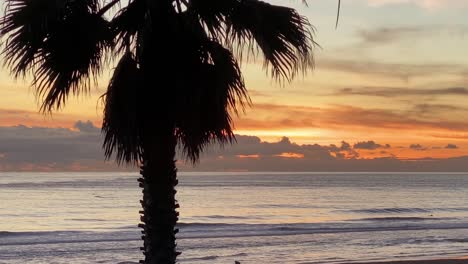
column 400, row 82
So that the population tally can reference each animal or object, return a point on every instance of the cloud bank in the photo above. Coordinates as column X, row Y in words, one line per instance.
column 79, row 149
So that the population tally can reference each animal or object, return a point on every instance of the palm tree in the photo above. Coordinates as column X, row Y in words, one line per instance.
column 176, row 84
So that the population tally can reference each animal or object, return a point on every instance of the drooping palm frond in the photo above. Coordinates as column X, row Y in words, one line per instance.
column 211, row 13
column 120, row 125
column 28, row 23
column 216, row 90
column 283, row 36
column 61, row 42
column 206, row 82
column 127, row 22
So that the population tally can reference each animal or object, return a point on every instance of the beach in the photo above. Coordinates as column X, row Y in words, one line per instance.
column 277, row 218
column 435, row 261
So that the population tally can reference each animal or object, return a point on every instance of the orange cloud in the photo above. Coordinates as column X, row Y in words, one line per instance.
column 290, row 155
column 254, row 156
column 338, row 117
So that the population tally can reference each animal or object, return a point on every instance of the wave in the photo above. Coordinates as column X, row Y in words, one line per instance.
column 59, row 184
column 198, row 224
column 214, row 257
column 202, row 258
column 402, row 218
column 392, row 210
column 457, row 240
column 74, row 183
column 5, row 233
column 225, row 217
column 220, row 230
column 396, row 210
column 86, row 219
column 215, row 230
column 60, row 237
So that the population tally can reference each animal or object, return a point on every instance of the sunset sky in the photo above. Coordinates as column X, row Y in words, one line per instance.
column 390, row 81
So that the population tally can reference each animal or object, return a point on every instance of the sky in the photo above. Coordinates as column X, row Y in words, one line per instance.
column 389, row 92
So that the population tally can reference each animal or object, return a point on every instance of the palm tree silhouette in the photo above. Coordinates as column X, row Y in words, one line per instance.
column 176, row 84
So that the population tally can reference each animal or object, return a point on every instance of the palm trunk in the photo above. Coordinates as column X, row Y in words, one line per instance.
column 159, row 215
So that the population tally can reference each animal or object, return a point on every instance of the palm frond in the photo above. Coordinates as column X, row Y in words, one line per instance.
column 120, row 125
column 216, row 90
column 212, row 13
column 27, row 24
column 127, row 22
column 61, row 42
column 284, row 37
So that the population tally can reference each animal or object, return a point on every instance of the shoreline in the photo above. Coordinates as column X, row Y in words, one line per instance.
column 463, row 260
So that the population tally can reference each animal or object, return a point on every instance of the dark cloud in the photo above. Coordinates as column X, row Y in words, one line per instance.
column 86, row 127
column 461, row 135
column 418, row 147
column 428, row 110
column 389, row 35
column 345, row 146
column 370, row 145
column 62, row 149
column 343, row 151
column 451, row 146
column 369, row 39
column 391, row 70
column 54, row 148
column 314, row 158
column 250, row 145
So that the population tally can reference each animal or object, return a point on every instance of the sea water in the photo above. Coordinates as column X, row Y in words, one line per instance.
column 249, row 217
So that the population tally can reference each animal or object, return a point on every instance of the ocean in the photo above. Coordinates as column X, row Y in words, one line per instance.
column 75, row 218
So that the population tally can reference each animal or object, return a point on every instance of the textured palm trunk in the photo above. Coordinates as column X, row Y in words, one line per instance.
column 159, row 215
